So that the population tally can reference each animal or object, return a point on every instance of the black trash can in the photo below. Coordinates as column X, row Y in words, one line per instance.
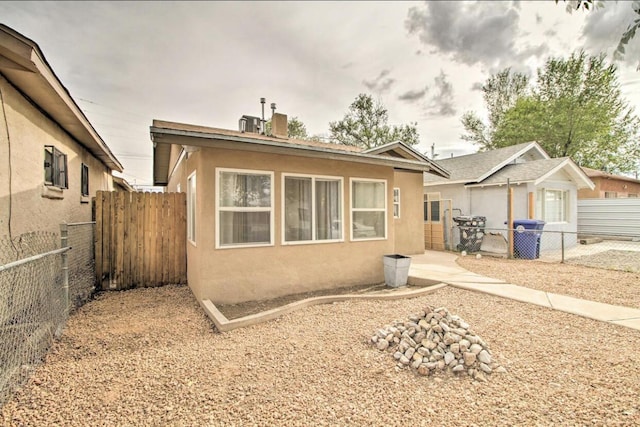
column 526, row 238
column 471, row 232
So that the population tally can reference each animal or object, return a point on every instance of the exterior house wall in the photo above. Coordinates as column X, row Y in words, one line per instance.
column 34, row 206
column 232, row 275
column 609, row 184
column 408, row 228
column 552, row 239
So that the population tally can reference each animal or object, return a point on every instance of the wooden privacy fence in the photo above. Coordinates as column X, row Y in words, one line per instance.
column 140, row 239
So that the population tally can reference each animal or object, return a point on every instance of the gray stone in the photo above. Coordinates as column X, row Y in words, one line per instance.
column 430, row 345
column 397, row 355
column 458, row 368
column 437, row 328
column 423, row 351
column 485, row 368
column 374, row 339
column 404, row 360
column 475, row 348
column 409, row 353
column 417, row 356
column 449, row 357
column 500, row 370
column 444, row 326
column 416, row 363
column 463, row 324
column 484, row 357
column 424, row 324
column 441, row 364
column 455, row 348
column 437, row 355
column 472, row 339
column 431, row 365
column 464, row 344
column 389, row 338
column 382, row 344
column 418, row 337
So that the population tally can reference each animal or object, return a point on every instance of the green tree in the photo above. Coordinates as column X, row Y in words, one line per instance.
column 500, row 92
column 296, row 129
column 575, row 109
column 365, row 125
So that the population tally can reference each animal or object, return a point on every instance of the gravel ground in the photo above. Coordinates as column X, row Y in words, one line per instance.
column 596, row 284
column 151, row 357
column 611, row 260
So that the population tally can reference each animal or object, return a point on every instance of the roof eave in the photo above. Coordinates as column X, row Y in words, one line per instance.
column 163, row 138
column 42, row 86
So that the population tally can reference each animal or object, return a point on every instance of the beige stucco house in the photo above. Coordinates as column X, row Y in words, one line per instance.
column 53, row 160
column 269, row 216
column 609, row 186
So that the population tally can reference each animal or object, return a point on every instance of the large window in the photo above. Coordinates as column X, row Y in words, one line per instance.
column 84, row 179
column 191, row 207
column 553, row 205
column 55, row 167
column 244, row 208
column 368, row 209
column 312, row 208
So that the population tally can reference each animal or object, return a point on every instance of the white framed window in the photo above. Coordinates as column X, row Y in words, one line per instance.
column 368, row 209
column 55, row 167
column 244, row 208
column 553, row 205
column 84, row 180
column 396, row 202
column 191, row 207
column 312, row 209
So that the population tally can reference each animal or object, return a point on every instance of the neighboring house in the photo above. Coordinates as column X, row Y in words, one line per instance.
column 53, row 160
column 543, row 189
column 609, row 186
column 121, row 184
column 269, row 216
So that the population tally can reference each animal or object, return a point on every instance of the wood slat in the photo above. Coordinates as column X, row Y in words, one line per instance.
column 97, row 240
column 140, row 239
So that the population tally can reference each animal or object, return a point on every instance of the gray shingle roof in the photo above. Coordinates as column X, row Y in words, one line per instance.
column 474, row 167
column 523, row 172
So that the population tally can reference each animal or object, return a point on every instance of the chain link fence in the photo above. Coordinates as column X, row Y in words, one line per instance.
column 595, row 250
column 81, row 262
column 33, row 304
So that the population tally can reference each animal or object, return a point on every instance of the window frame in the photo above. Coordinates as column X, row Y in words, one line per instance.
column 353, row 209
column 52, row 168
column 219, row 209
column 396, row 202
column 566, row 211
column 192, row 201
column 314, row 239
column 84, row 180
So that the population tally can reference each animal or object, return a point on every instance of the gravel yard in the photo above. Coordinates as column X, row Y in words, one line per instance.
column 596, row 284
column 151, row 357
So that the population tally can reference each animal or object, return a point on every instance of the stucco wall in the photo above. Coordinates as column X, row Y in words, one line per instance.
column 409, row 238
column 241, row 274
column 33, row 206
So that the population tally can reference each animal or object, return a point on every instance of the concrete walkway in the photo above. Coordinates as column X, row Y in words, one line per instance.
column 442, row 267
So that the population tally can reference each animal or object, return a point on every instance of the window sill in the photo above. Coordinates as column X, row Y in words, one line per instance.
column 85, row 199
column 312, row 242
column 369, row 239
column 50, row 192
column 245, row 246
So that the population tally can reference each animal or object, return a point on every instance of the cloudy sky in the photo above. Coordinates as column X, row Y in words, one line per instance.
column 208, row 63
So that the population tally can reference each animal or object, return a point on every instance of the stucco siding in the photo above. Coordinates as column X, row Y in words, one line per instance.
column 409, row 237
column 231, row 275
column 34, row 206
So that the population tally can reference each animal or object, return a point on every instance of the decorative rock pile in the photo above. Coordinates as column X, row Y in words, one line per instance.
column 434, row 340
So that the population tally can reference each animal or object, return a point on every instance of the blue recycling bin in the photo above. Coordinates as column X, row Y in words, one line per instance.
column 526, row 238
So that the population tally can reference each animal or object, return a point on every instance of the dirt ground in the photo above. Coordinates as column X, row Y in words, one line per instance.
column 596, row 284
column 150, row 357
